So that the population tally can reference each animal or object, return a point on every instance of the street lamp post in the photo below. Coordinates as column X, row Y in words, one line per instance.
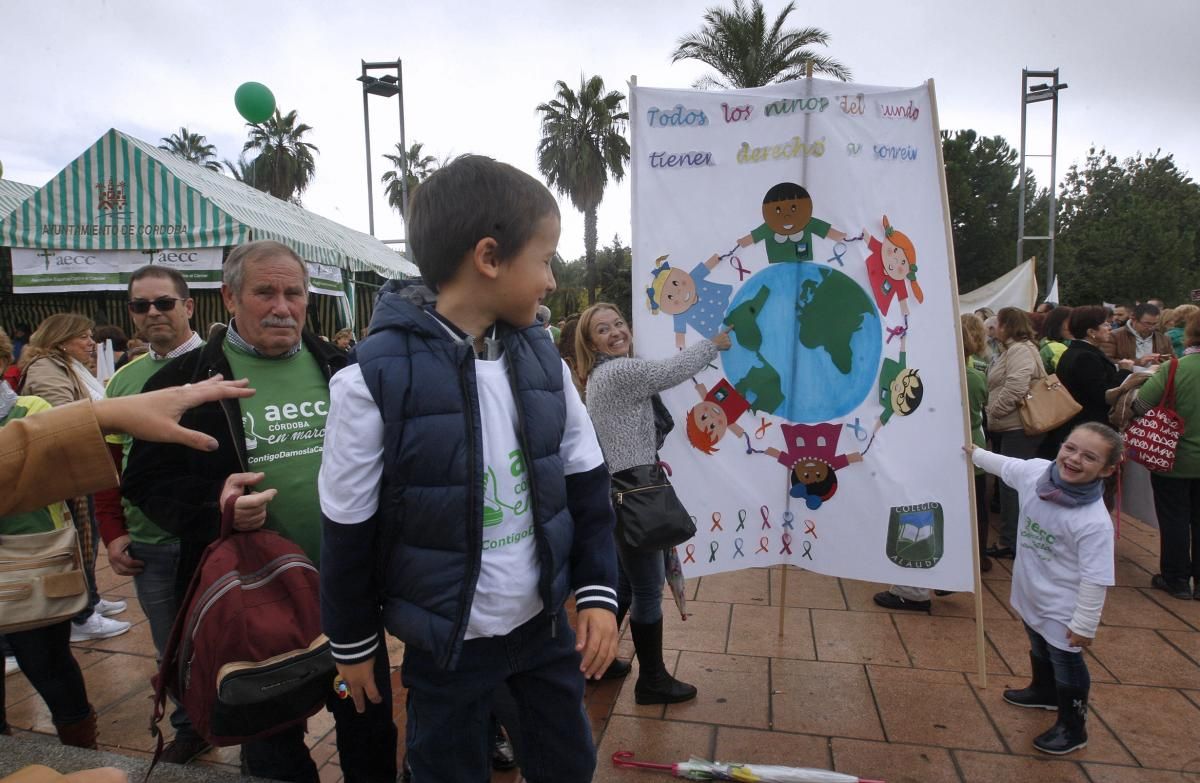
column 385, row 86
column 1035, row 94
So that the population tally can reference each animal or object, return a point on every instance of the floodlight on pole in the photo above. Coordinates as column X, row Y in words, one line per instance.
column 385, row 86
column 1036, row 93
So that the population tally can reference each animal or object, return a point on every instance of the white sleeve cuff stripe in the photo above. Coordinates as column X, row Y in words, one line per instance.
column 596, row 599
column 372, row 638
column 356, row 656
column 589, row 588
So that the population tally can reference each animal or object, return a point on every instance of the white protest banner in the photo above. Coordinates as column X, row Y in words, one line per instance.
column 65, row 271
column 808, row 216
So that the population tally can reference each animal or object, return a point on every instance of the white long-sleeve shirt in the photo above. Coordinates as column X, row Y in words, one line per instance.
column 1064, row 555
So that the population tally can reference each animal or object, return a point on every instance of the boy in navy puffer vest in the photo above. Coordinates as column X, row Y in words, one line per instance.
column 464, row 493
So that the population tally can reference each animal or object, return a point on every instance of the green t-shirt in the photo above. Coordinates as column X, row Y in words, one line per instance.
column 284, row 423
column 977, row 394
column 797, row 247
column 129, row 380
column 39, row 521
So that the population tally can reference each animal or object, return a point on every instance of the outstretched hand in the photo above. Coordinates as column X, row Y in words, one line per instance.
column 154, row 416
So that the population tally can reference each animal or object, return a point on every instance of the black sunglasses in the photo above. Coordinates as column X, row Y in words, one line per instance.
column 163, row 304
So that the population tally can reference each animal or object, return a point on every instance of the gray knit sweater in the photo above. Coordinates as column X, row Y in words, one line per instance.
column 618, row 400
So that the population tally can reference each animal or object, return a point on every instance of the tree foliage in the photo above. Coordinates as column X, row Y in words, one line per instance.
column 1128, row 230
column 982, row 187
column 745, row 51
column 614, row 263
column 419, row 167
column 582, row 145
column 284, row 163
column 193, row 147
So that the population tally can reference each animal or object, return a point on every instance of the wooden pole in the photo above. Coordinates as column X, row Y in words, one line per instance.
column 808, row 74
column 980, row 641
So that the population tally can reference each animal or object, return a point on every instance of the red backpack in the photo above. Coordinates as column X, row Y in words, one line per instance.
column 246, row 656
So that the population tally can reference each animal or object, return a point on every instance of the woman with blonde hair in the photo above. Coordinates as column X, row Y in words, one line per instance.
column 53, row 367
column 1176, row 323
column 630, row 422
column 1008, row 380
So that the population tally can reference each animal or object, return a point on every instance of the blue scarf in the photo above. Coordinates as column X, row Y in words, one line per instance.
column 1052, row 488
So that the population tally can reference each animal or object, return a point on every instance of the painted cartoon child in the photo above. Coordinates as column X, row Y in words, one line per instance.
column 891, row 265
column 811, row 457
column 688, row 296
column 900, row 387
column 788, row 225
column 716, row 413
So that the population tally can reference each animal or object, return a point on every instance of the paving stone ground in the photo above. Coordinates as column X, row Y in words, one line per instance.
column 850, row 686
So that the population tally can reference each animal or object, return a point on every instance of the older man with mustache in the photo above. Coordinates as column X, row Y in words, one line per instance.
column 268, row 455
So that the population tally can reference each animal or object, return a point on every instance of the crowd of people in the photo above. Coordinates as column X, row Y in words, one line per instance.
column 449, row 474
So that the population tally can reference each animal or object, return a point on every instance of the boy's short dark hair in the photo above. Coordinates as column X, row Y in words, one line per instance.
column 472, row 198
column 169, row 273
column 785, row 191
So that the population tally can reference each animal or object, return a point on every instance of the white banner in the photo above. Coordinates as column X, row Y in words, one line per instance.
column 65, row 271
column 809, row 217
column 1015, row 288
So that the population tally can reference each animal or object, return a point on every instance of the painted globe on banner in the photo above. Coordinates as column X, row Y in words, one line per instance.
column 255, row 102
column 806, row 343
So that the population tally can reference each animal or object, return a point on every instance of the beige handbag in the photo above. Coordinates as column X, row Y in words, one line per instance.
column 41, row 579
column 1047, row 405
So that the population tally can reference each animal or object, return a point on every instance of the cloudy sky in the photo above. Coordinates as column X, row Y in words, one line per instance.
column 474, row 73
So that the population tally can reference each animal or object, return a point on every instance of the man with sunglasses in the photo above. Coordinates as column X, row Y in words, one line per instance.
column 160, row 307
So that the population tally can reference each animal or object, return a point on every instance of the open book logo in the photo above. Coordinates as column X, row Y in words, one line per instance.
column 915, row 535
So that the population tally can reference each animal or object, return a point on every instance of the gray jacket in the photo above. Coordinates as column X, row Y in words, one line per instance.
column 618, row 400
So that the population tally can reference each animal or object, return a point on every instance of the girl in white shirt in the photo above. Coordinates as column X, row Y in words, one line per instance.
column 1064, row 563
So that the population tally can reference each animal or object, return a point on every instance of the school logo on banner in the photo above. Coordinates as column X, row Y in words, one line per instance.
column 915, row 535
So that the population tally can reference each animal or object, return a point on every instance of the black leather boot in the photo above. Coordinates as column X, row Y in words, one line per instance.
column 1070, row 732
column 1041, row 692
column 654, row 685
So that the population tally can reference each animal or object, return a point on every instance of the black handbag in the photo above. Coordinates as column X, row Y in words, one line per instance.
column 649, row 514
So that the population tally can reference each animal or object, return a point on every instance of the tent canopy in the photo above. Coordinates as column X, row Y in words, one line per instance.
column 125, row 194
column 12, row 193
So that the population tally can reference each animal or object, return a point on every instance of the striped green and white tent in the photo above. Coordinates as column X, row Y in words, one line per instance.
column 12, row 193
column 125, row 194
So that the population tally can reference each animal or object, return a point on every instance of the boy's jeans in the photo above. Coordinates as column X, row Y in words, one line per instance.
column 449, row 711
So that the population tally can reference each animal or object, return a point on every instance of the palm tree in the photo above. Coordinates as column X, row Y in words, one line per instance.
column 193, row 147
column 419, row 168
column 284, row 165
column 746, row 53
column 582, row 144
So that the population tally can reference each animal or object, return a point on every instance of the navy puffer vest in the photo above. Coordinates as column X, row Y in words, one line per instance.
column 431, row 498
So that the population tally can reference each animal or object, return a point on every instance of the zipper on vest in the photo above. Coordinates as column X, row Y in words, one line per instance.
column 475, row 532
column 544, row 560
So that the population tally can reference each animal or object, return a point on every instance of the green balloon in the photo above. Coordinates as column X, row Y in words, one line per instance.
column 254, row 102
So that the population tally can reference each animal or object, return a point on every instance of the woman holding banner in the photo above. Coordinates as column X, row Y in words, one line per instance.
column 622, row 397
